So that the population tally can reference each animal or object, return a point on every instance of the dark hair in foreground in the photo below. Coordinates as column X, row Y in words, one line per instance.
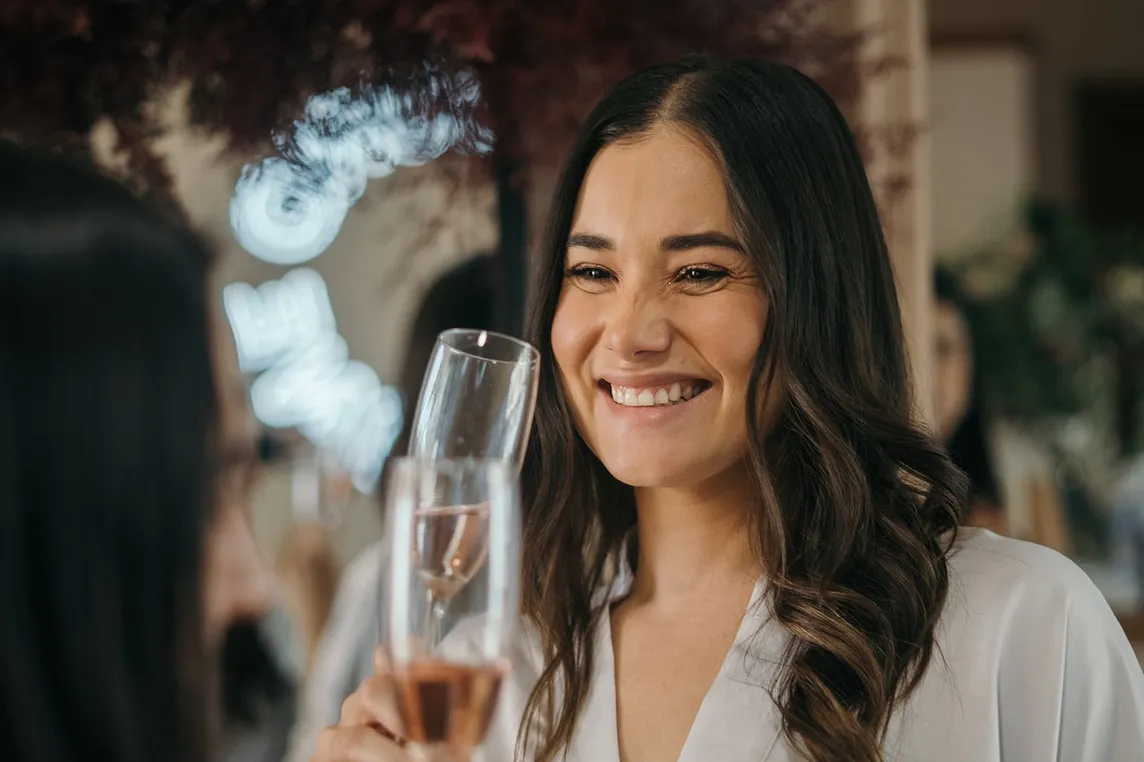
column 968, row 445
column 857, row 506
column 107, row 426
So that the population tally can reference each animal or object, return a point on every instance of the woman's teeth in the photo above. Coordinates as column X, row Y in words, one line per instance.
column 655, row 396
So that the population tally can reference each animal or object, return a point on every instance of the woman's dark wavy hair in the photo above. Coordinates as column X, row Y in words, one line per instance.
column 857, row 507
column 108, row 426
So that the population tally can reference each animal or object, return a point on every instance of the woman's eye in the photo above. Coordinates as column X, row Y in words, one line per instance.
column 589, row 273
column 700, row 276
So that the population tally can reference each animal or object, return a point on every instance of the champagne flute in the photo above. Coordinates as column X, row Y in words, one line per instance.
column 477, row 398
column 477, row 401
column 450, row 523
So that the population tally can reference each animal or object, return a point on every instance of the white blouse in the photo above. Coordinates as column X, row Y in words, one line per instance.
column 1032, row 667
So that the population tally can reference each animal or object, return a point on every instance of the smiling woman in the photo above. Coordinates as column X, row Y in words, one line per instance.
column 738, row 545
column 737, row 252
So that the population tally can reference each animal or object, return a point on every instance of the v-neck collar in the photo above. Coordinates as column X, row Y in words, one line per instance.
column 739, row 697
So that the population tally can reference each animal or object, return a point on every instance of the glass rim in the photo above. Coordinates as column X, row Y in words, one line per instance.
column 532, row 354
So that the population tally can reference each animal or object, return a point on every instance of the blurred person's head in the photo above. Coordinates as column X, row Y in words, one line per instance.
column 237, row 586
column 959, row 411
column 125, row 545
column 953, row 376
column 258, row 670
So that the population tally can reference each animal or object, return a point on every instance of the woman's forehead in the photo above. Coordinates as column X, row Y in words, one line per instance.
column 664, row 182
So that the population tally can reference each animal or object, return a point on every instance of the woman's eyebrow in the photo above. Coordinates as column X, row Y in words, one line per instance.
column 679, row 242
column 590, row 241
column 705, row 239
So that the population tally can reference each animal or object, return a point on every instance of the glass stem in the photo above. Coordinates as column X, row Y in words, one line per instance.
column 434, row 615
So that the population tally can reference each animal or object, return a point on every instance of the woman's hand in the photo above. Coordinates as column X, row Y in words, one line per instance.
column 370, row 728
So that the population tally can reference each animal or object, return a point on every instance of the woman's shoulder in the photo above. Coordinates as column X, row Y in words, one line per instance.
column 1013, row 594
column 994, row 575
column 1026, row 641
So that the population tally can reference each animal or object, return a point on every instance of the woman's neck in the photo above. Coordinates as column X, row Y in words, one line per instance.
column 693, row 542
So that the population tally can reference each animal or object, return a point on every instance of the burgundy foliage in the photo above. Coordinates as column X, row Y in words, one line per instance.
column 252, row 63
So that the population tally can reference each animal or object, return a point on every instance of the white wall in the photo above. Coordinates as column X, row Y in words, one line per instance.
column 983, row 141
column 1071, row 39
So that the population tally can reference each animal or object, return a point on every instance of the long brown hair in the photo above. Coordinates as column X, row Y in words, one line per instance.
column 857, row 506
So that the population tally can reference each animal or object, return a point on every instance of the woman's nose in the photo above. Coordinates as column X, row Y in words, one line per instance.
column 637, row 326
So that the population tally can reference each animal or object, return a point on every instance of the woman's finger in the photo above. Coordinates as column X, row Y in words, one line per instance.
column 356, row 743
column 374, row 703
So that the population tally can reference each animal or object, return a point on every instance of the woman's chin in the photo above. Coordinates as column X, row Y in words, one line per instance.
column 648, row 469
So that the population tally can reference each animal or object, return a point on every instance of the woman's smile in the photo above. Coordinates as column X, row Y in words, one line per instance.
column 668, row 392
column 663, row 401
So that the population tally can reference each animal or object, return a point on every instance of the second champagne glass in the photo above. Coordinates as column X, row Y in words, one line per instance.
column 477, row 399
column 450, row 523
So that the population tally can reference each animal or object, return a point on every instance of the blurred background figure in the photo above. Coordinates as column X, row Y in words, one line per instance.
column 263, row 659
column 308, row 570
column 126, row 461
column 462, row 298
column 1128, row 527
column 306, row 562
column 959, row 412
column 963, row 423
column 259, row 689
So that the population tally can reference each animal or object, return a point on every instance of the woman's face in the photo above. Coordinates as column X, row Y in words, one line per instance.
column 237, row 584
column 953, row 368
column 660, row 316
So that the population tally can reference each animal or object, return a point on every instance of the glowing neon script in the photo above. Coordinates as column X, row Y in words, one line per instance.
column 289, row 210
column 286, row 331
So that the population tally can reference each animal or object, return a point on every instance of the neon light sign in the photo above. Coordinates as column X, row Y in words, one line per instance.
column 288, row 209
column 286, row 331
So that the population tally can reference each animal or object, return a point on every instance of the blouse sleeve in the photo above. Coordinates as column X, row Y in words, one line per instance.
column 1102, row 686
column 1070, row 686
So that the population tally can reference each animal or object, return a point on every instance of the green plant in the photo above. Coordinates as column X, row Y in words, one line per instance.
column 1057, row 313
